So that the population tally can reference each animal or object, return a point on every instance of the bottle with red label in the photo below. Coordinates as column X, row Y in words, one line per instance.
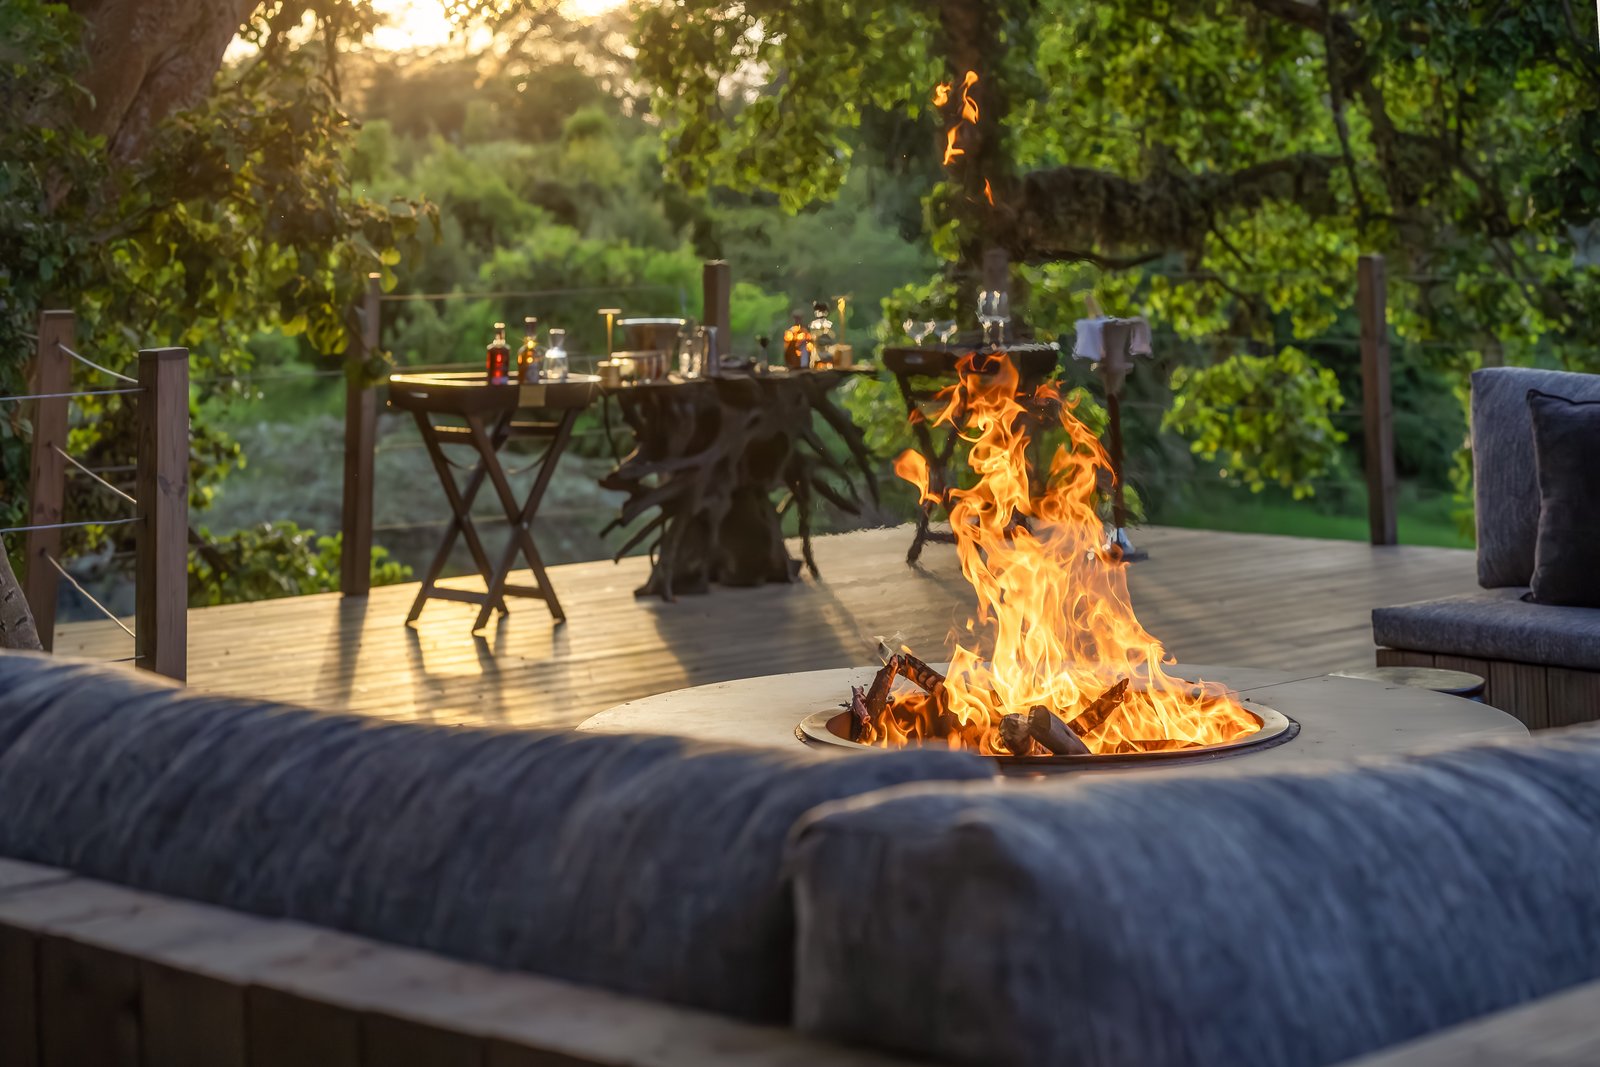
column 498, row 357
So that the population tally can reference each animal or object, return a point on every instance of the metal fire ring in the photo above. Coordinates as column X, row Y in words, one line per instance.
column 827, row 728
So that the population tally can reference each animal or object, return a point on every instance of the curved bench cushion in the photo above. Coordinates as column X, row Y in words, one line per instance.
column 1494, row 624
column 646, row 865
column 1164, row 920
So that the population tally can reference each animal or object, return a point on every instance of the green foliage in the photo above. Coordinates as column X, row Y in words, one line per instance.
column 274, row 560
column 1461, row 140
column 793, row 138
column 1266, row 417
column 236, row 216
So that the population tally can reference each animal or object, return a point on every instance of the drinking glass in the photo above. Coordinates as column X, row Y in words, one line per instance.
column 994, row 308
column 947, row 331
column 919, row 331
column 929, row 328
column 910, row 327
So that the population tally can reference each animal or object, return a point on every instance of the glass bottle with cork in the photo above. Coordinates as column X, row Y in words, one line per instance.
column 497, row 358
column 555, row 357
column 530, row 359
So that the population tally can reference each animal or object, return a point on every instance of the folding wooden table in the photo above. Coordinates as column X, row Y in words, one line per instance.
column 490, row 414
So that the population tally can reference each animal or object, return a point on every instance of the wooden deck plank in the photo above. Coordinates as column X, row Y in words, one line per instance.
column 1247, row 599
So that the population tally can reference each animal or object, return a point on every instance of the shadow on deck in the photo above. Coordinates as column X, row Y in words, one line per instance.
column 1248, row 599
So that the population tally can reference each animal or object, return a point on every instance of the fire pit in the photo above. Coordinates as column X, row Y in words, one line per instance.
column 1053, row 670
column 1326, row 719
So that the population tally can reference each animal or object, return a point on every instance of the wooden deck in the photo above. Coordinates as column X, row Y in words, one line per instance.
column 1247, row 599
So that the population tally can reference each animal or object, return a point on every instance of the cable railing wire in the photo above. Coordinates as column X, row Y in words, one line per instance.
column 101, row 481
column 511, row 294
column 87, row 362
column 87, row 595
column 69, row 396
column 70, row 525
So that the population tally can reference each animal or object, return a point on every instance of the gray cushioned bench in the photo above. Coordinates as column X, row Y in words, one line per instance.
column 650, row 866
column 903, row 902
column 1541, row 663
column 1253, row 919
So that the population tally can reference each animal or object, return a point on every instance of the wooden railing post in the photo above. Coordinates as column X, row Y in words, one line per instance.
column 360, row 441
column 1378, row 409
column 716, row 290
column 161, row 593
column 52, row 373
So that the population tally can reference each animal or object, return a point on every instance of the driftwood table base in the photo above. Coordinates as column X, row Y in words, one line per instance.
column 710, row 454
column 489, row 414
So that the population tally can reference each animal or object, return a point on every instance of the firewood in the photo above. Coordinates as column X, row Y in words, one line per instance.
column 1015, row 734
column 1053, row 734
column 877, row 698
column 860, row 717
column 928, row 679
column 1094, row 716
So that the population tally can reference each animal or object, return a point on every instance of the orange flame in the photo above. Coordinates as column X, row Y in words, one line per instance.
column 951, row 151
column 1052, row 598
column 969, row 106
column 969, row 115
column 988, row 193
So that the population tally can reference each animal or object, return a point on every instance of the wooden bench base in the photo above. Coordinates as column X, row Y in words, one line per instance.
column 93, row 973
column 1542, row 697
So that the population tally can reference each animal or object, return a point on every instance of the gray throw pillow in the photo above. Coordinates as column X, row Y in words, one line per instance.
column 1566, row 440
column 1164, row 919
column 645, row 865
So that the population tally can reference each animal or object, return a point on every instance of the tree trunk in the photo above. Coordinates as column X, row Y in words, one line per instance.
column 16, row 621
column 149, row 58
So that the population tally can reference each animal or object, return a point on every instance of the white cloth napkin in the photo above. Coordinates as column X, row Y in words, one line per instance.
column 1112, row 343
column 1090, row 342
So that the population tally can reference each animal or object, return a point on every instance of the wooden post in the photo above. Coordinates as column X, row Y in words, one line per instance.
column 161, row 592
column 360, row 442
column 52, row 373
column 716, row 288
column 1378, row 413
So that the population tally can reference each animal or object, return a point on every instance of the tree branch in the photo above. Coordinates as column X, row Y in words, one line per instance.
column 1171, row 210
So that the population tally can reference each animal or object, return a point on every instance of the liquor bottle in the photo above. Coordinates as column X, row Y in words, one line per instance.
column 797, row 345
column 530, row 360
column 498, row 358
column 555, row 357
column 822, row 336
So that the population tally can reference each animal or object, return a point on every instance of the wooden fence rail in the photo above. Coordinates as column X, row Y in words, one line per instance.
column 160, row 501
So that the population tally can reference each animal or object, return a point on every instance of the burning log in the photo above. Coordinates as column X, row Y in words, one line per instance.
column 928, row 679
column 1015, row 734
column 1094, row 716
column 860, row 717
column 877, row 698
column 1047, row 729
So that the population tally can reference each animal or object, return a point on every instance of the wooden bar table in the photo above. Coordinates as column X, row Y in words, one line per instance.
column 491, row 415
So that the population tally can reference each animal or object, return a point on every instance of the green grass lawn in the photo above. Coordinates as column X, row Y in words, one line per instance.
column 1425, row 519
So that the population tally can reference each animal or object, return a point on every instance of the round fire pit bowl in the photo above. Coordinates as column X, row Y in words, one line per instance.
column 1317, row 719
column 831, row 727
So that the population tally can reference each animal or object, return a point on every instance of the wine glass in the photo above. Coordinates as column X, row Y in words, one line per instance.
column 947, row 331
column 994, row 308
